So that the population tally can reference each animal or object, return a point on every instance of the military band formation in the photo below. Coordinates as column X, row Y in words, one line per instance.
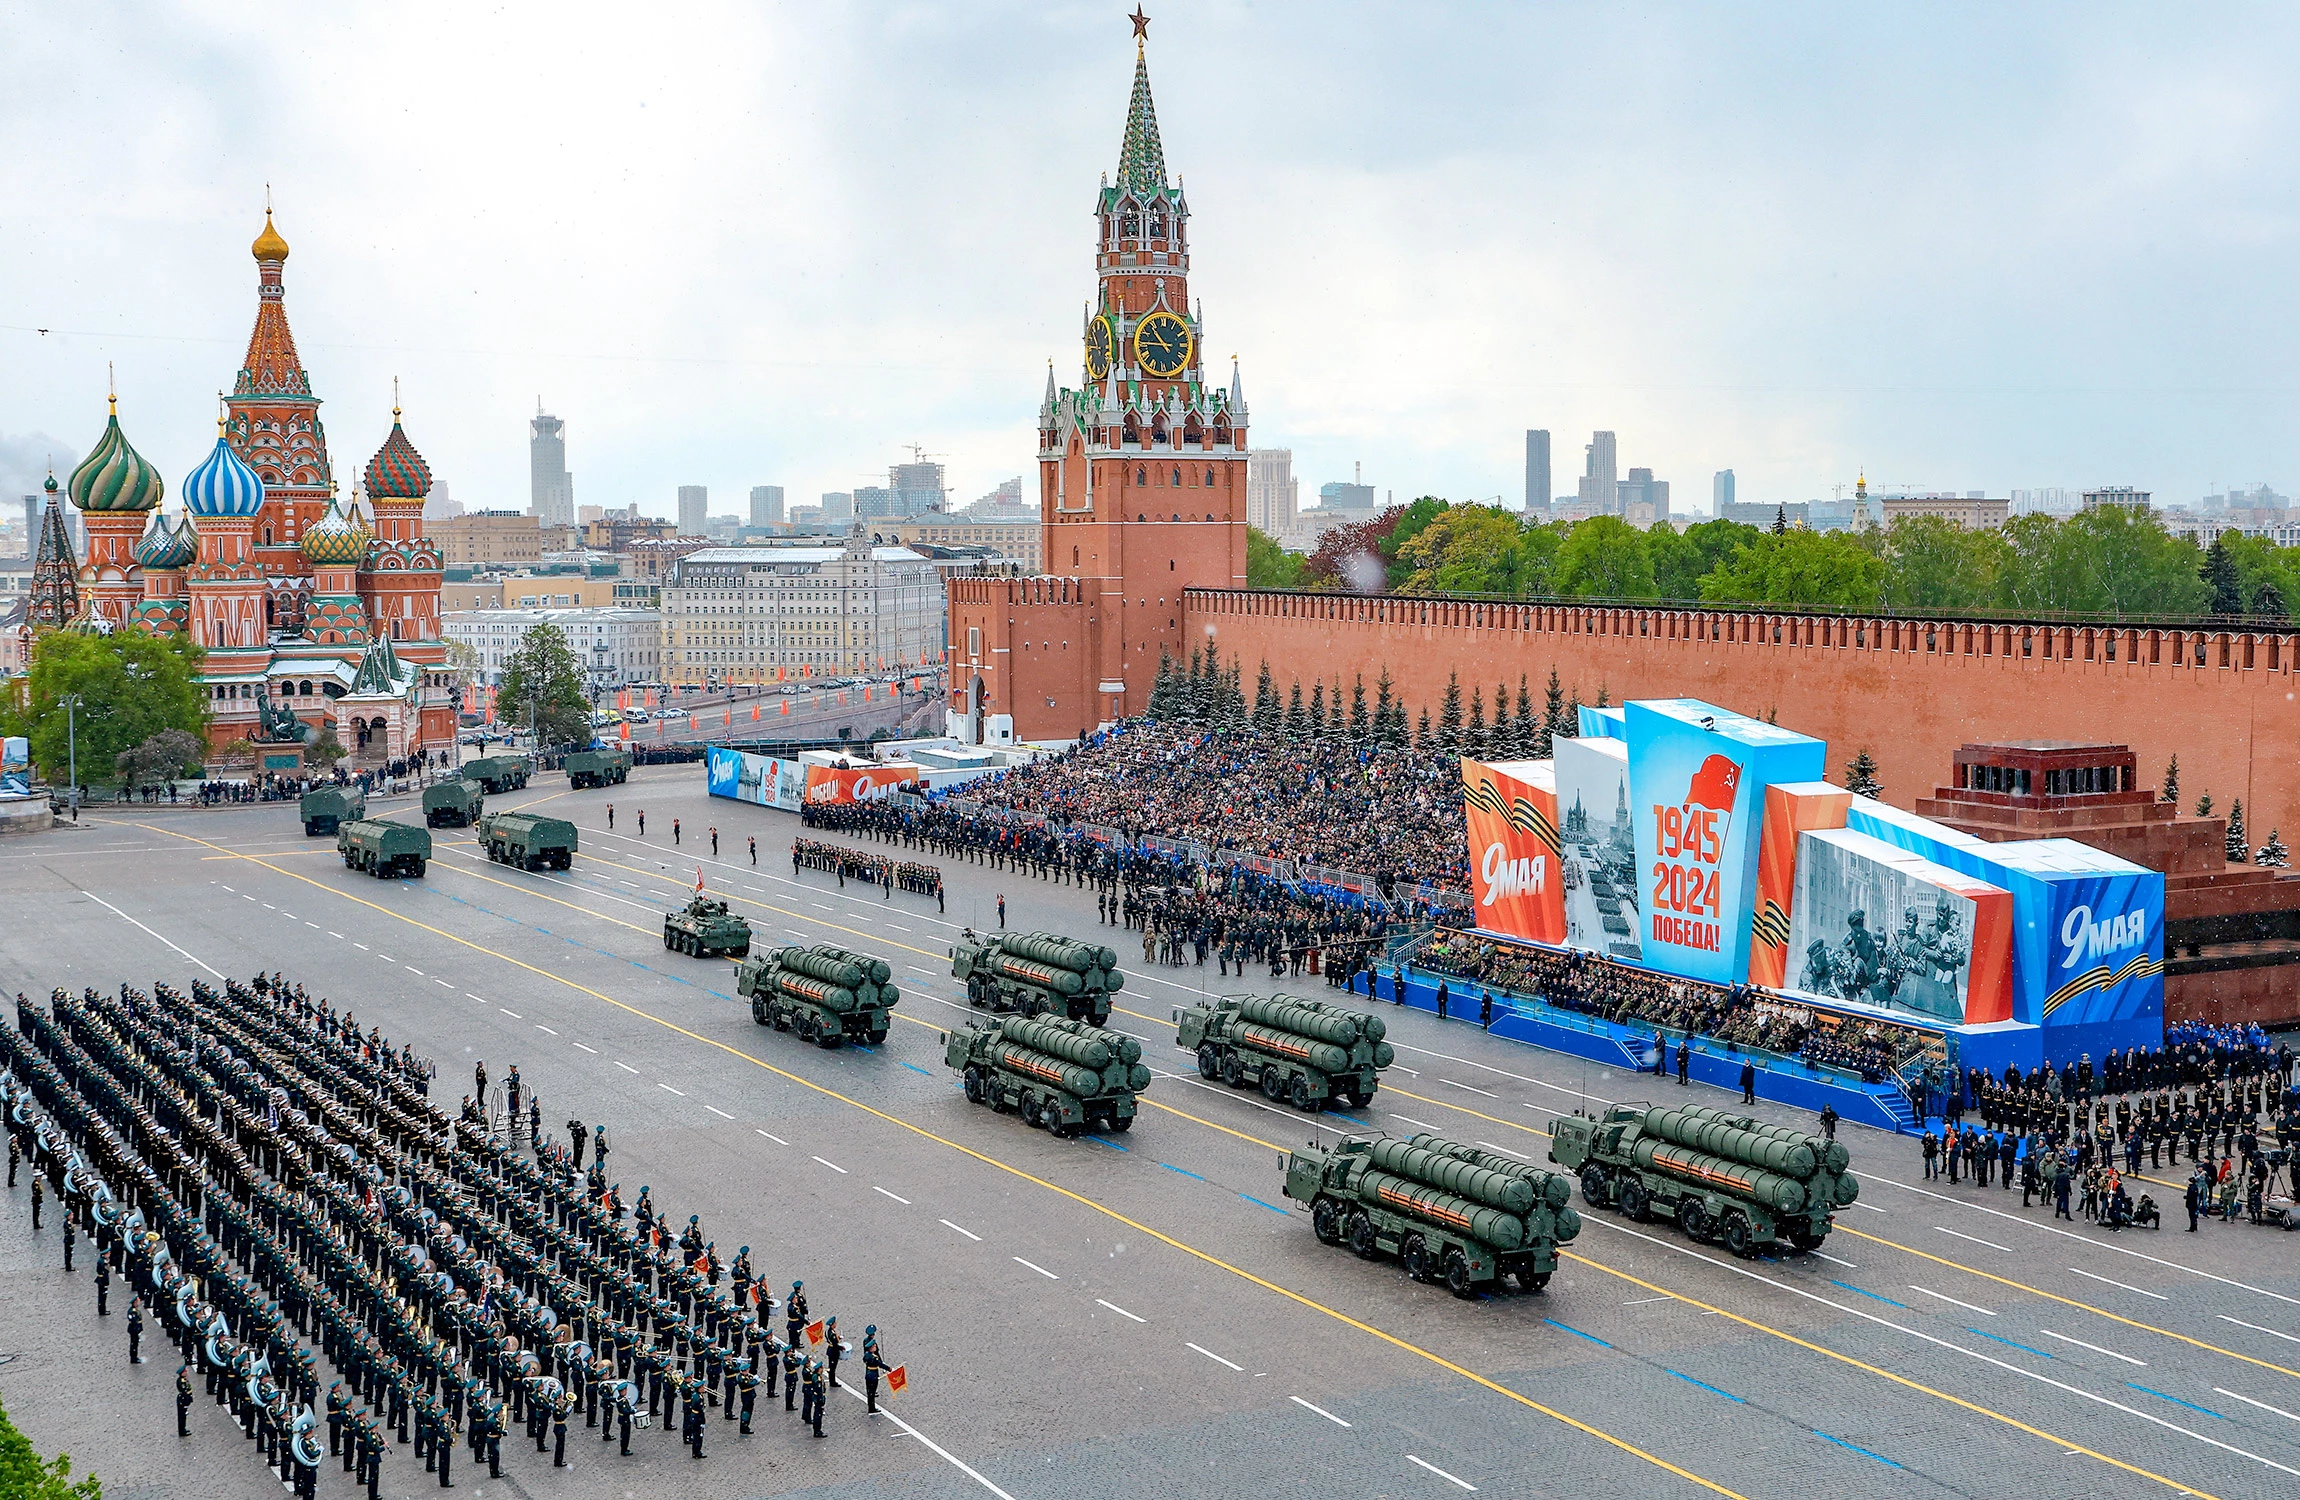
column 277, row 1190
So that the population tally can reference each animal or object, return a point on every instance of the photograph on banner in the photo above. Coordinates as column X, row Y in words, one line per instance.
column 1597, row 848
column 768, row 781
column 836, row 784
column 1881, row 926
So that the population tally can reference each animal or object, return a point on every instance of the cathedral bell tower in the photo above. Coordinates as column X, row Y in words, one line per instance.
column 1142, row 474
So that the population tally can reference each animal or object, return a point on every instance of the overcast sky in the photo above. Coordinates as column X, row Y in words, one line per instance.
column 1978, row 248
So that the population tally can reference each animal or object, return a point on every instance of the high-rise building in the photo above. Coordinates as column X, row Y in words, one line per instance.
column 1720, row 491
column 917, row 488
column 1536, row 470
column 694, row 508
column 1273, row 494
column 837, row 506
column 551, row 489
column 1599, row 494
column 766, row 505
column 1642, row 498
column 31, row 525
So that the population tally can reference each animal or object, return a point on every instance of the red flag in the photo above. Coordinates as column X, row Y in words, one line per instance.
column 626, row 731
column 754, row 713
column 898, row 1380
column 698, row 880
column 730, row 719
column 815, row 1331
column 786, row 708
column 1714, row 784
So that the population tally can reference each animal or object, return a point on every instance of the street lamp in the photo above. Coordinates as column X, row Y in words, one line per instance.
column 71, row 702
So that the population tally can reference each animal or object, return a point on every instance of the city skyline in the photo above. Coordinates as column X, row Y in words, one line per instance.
column 2023, row 333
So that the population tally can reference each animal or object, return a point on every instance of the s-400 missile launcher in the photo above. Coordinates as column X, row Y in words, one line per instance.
column 1037, row 973
column 1725, row 1177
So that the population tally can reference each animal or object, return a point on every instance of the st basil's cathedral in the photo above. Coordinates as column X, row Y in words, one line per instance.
column 312, row 614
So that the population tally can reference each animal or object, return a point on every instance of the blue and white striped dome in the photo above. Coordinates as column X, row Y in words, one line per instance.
column 223, row 486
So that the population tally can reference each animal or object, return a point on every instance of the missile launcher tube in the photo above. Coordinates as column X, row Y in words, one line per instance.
column 831, row 967
column 1552, row 1188
column 1044, row 975
column 1087, row 1046
column 1780, row 1194
column 1452, row 1174
column 1716, row 1138
column 1084, row 1083
column 1323, row 1056
column 1496, row 1227
column 1315, row 1022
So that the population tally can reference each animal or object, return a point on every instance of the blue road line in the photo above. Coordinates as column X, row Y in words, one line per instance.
column 1856, row 1448
column 857, row 1046
column 2023, row 1348
column 915, row 1068
column 1169, row 1166
column 1864, row 1291
column 1577, row 1333
column 1272, row 1207
column 1705, row 1385
column 1353, row 1119
column 2175, row 1400
column 1096, row 1139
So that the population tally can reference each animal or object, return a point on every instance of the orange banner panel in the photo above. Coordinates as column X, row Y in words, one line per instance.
column 829, row 784
column 1791, row 808
column 1514, row 849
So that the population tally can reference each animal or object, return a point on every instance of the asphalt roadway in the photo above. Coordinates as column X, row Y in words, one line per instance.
column 1137, row 1315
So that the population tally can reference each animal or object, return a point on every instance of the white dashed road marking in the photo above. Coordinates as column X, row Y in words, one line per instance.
column 1041, row 1270
column 897, row 1197
column 834, row 1166
column 1122, row 1312
column 1321, row 1411
column 1442, row 1474
column 970, row 1234
column 1216, row 1358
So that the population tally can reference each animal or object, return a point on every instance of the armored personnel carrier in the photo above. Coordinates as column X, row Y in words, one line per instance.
column 1450, row 1213
column 1065, row 1075
column 384, row 850
column 453, row 803
column 601, row 767
column 706, row 929
column 1037, row 973
column 827, row 995
column 1718, row 1176
column 528, row 840
column 327, row 808
column 1300, row 1052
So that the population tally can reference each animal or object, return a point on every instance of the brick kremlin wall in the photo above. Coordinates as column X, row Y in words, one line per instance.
column 1911, row 691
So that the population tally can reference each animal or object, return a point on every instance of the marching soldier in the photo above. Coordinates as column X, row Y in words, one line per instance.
column 559, row 1410
column 135, row 1331
column 371, row 1454
column 183, row 1400
column 874, row 1363
column 338, row 1406
column 68, row 1238
column 747, row 1382
column 38, row 1193
column 793, row 1361
column 795, row 1312
column 815, row 1393
column 832, row 1349
column 698, row 1420
column 15, row 1154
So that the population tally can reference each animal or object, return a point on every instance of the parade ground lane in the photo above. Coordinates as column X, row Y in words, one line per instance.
column 1749, row 1447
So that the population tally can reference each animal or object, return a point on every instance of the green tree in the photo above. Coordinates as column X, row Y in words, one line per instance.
column 1266, row 706
column 1474, row 549
column 1528, row 730
column 2273, row 855
column 1812, row 569
column 2171, row 794
column 1552, row 718
column 1780, row 518
column 1604, row 557
column 2238, row 844
column 2266, row 574
column 1861, row 775
column 542, row 678
column 2112, row 560
column 1449, row 714
column 130, row 686
column 23, row 1476
column 1932, row 563
column 1318, row 709
column 2218, row 574
column 1297, row 718
column 1405, row 523
column 163, row 757
column 1361, row 727
column 1385, row 705
column 2204, row 805
column 1270, row 566
column 1474, row 742
column 1422, row 734
column 1682, row 559
column 1162, row 691
column 327, row 749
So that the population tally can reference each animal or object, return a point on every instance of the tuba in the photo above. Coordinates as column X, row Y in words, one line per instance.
column 304, row 1439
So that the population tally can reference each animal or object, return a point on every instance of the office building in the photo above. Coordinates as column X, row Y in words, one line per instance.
column 615, row 646
column 1599, row 493
column 1720, row 492
column 874, row 502
column 1537, row 471
column 1794, row 513
column 767, row 614
column 1273, row 494
column 496, row 538
column 1020, row 540
column 1971, row 511
column 1641, row 499
column 836, row 506
column 2122, row 494
column 918, row 488
column 766, row 505
column 694, row 503
column 551, row 489
column 1357, row 495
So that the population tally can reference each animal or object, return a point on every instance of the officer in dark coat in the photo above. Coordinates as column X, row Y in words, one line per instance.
column 183, row 1400
column 747, row 1385
column 873, row 1363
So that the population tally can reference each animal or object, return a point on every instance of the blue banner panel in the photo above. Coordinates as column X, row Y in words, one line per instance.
column 1697, row 779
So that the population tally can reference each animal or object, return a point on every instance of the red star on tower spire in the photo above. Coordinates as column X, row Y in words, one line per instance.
column 1141, row 24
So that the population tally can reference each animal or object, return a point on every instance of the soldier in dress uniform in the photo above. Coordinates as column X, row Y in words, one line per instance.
column 795, row 1311
column 793, row 1362
column 746, row 1382
column 816, row 1391
column 184, row 1400
column 873, row 1363
column 559, row 1410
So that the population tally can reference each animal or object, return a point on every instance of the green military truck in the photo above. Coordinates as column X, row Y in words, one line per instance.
column 327, row 808
column 1037, row 973
column 1065, row 1075
column 600, row 767
column 453, row 803
column 827, row 995
column 704, row 928
column 383, row 849
column 1724, row 1177
column 1300, row 1052
column 1450, row 1213
column 528, row 840
column 499, row 773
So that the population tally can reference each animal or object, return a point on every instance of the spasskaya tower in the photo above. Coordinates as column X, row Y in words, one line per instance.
column 1141, row 476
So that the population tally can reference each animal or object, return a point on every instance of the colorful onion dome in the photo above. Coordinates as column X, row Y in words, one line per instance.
column 269, row 246
column 168, row 546
column 398, row 472
column 50, row 486
column 222, row 485
column 114, row 476
column 336, row 539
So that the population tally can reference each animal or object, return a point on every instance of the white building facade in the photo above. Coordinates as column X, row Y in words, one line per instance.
column 780, row 613
column 615, row 646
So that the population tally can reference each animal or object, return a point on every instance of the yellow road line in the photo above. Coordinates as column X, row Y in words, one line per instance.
column 1901, row 1380
column 1081, row 1199
column 2066, row 1301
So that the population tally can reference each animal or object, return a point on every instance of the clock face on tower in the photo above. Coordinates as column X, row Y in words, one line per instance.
column 1162, row 345
column 1101, row 343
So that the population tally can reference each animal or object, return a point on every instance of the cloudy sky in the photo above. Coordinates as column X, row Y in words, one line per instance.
column 1968, row 248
